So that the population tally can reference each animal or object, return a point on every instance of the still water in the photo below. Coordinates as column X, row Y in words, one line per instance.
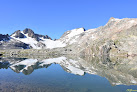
column 67, row 74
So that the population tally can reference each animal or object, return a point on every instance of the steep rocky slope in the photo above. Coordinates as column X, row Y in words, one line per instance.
column 117, row 37
column 7, row 43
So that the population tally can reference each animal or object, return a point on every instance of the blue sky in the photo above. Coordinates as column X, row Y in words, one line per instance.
column 54, row 17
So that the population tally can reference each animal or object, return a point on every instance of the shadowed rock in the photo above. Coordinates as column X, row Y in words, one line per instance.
column 4, row 37
column 18, row 34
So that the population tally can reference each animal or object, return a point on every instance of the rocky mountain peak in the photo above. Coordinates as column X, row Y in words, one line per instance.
column 27, row 30
column 112, row 19
column 118, row 25
column 31, row 33
column 18, row 34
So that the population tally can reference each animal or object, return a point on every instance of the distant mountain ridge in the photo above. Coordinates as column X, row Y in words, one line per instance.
column 117, row 37
column 36, row 41
column 20, row 34
column 14, row 41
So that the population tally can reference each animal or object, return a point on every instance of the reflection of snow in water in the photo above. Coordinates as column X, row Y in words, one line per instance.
column 79, row 67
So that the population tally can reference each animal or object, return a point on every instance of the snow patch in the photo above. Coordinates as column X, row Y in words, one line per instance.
column 75, row 32
column 133, row 81
column 52, row 44
column 69, row 64
column 75, row 70
column 71, row 35
column 132, row 21
column 27, row 63
column 53, row 60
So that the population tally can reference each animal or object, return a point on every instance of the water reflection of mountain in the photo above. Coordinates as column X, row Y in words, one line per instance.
column 116, row 70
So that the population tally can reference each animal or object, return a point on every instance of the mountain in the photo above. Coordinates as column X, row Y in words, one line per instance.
column 117, row 37
column 29, row 40
column 25, row 39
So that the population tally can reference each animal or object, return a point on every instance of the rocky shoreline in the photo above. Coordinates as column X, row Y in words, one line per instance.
column 54, row 52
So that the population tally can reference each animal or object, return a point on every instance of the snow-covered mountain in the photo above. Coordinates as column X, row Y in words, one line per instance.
column 27, row 36
column 36, row 41
column 117, row 37
column 27, row 39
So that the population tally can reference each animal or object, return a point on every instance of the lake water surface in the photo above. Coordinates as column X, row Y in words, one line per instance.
column 67, row 74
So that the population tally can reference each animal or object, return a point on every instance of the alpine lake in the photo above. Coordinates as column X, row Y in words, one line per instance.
column 68, row 74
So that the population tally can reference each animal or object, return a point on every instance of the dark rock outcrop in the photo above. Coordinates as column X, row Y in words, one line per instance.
column 30, row 33
column 33, row 35
column 4, row 37
column 18, row 34
column 45, row 37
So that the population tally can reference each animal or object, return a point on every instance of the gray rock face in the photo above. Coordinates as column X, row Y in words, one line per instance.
column 33, row 35
column 117, row 37
column 21, row 45
column 13, row 45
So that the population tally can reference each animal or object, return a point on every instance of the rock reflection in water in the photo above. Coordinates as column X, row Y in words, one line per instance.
column 118, row 71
